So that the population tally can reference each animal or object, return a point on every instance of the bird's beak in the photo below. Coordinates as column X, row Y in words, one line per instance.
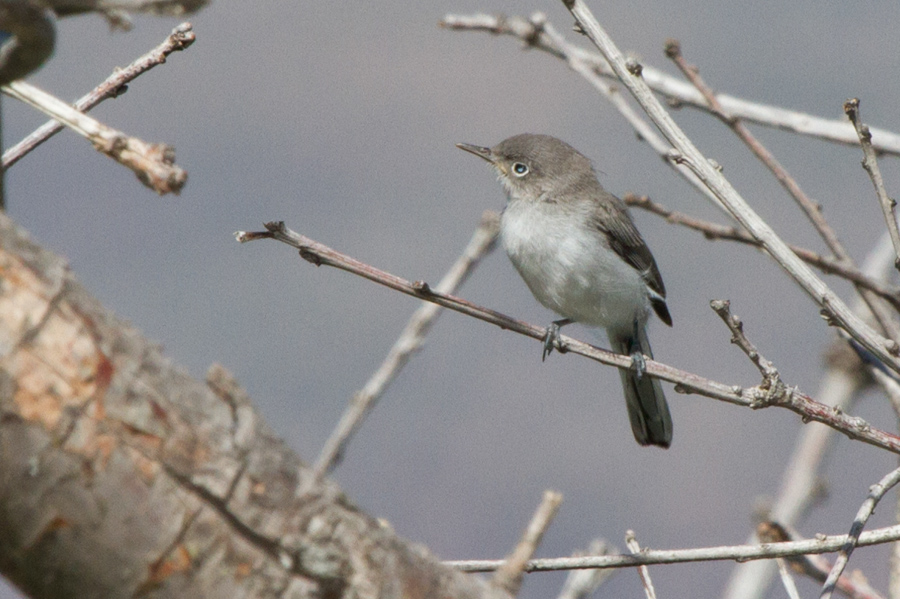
column 481, row 152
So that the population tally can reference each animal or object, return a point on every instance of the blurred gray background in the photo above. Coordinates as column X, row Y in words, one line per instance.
column 341, row 120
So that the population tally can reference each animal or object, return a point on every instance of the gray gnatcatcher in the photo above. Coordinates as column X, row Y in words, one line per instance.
column 579, row 252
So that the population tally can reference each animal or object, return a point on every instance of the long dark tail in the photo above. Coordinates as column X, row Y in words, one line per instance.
column 648, row 411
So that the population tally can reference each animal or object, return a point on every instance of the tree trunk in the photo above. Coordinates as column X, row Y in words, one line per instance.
column 122, row 476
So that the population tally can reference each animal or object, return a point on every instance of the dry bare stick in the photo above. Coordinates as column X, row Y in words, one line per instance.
column 870, row 163
column 676, row 91
column 114, row 86
column 876, row 492
column 650, row 557
column 812, row 210
column 581, row 584
column 815, row 567
column 714, row 231
column 789, row 585
column 736, row 326
column 643, row 571
column 509, row 576
column 409, row 342
column 772, row 381
column 800, row 487
column 154, row 164
column 629, row 72
column 685, row 382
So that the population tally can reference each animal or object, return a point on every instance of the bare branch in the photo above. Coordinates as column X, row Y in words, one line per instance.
column 509, row 576
column 714, row 231
column 801, row 485
column 107, row 7
column 152, row 163
column 678, row 92
column 114, row 86
column 811, row 209
column 685, row 382
column 883, row 314
column 815, row 567
column 649, row 557
column 787, row 580
column 629, row 72
column 870, row 163
column 876, row 492
column 581, row 584
column 736, row 326
column 409, row 342
column 643, row 571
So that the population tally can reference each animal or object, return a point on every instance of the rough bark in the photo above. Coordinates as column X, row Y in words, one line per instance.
column 121, row 476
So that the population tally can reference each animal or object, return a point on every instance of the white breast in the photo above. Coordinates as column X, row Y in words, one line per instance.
column 569, row 267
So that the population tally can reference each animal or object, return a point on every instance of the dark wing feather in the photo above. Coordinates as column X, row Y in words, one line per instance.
column 613, row 219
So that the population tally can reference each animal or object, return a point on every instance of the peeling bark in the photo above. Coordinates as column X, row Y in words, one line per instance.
column 121, row 476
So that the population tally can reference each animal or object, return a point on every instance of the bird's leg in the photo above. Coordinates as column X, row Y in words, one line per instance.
column 551, row 337
column 637, row 358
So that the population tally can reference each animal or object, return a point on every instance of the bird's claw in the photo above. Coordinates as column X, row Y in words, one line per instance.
column 638, row 364
column 551, row 339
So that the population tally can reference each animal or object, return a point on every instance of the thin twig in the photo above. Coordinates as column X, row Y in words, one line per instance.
column 509, row 576
column 714, row 231
column 883, row 314
column 786, row 579
column 801, row 484
column 581, row 584
column 816, row 567
column 685, row 382
column 119, row 9
column 811, row 209
column 154, row 164
column 736, row 326
column 114, row 86
column 649, row 557
column 876, row 492
column 629, row 72
column 870, row 163
column 643, row 571
column 409, row 341
column 675, row 90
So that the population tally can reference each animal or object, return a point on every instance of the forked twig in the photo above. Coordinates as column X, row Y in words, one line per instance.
column 115, row 85
column 154, row 164
column 876, row 492
column 673, row 89
column 870, row 163
column 643, row 571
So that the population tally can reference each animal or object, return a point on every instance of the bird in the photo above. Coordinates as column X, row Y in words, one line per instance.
column 581, row 255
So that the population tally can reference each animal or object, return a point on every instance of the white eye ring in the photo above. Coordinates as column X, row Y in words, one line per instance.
column 520, row 169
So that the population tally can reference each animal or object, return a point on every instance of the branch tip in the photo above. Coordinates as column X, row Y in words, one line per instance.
column 672, row 48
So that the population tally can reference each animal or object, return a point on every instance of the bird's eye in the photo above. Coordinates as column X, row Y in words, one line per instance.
column 520, row 169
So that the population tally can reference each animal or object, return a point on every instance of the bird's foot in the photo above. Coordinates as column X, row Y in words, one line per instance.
column 638, row 364
column 551, row 338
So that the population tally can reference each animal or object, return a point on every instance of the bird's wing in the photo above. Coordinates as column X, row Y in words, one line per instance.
column 613, row 219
